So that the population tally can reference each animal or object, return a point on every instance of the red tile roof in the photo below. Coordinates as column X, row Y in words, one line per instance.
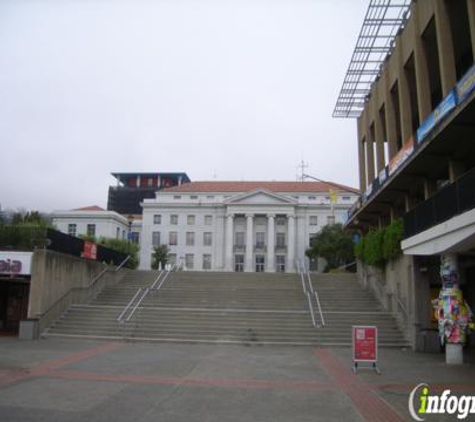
column 90, row 208
column 286, row 187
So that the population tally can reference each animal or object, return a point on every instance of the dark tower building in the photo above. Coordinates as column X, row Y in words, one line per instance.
column 133, row 188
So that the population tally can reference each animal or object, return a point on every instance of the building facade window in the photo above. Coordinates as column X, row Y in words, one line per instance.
column 260, row 239
column 239, row 239
column 207, row 238
column 190, row 238
column 117, row 232
column 173, row 238
column 155, row 238
column 314, row 220
column 172, row 258
column 193, row 196
column 280, row 221
column 91, row 229
column 330, row 219
column 157, row 219
column 177, row 197
column 189, row 261
column 206, row 262
column 208, row 220
column 280, row 240
column 135, row 237
column 280, row 263
column 190, row 220
column 72, row 229
column 174, row 219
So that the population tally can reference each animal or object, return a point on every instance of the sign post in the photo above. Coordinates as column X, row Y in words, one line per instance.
column 365, row 346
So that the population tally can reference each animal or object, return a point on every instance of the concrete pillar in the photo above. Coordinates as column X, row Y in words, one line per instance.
column 430, row 188
column 362, row 165
column 370, row 158
column 291, row 244
column 445, row 47
column 450, row 282
column 378, row 129
column 404, row 105
column 248, row 267
column 229, row 243
column 409, row 202
column 471, row 20
column 270, row 243
column 138, row 181
column 456, row 169
column 159, row 181
column 391, row 132
column 422, row 73
column 392, row 213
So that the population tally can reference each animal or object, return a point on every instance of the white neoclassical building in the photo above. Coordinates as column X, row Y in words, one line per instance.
column 240, row 226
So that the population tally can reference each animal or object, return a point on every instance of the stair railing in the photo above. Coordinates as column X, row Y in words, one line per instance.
column 157, row 279
column 310, row 306
column 121, row 318
column 317, row 299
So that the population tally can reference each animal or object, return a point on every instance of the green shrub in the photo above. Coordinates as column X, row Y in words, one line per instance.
column 381, row 245
column 392, row 239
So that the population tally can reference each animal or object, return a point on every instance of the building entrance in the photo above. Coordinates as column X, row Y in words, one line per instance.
column 280, row 263
column 239, row 263
column 260, row 263
column 13, row 305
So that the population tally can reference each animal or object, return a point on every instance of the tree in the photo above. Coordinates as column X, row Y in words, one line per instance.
column 159, row 256
column 124, row 246
column 334, row 244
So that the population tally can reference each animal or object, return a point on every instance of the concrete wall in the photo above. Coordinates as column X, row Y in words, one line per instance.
column 57, row 280
column 402, row 287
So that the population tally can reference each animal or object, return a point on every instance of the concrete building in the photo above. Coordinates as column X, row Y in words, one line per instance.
column 96, row 221
column 411, row 87
column 240, row 226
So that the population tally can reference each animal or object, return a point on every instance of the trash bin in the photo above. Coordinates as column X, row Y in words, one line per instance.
column 29, row 329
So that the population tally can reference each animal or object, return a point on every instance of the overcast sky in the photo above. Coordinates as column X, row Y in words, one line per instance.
column 220, row 89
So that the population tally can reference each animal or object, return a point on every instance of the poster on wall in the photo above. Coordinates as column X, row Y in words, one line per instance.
column 15, row 263
column 90, row 250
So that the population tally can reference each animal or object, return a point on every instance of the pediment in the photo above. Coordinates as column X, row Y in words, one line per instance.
column 261, row 197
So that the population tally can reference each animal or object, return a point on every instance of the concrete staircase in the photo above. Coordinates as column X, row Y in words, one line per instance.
column 239, row 308
column 344, row 304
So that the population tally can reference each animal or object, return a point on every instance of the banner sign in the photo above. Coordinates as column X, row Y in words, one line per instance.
column 15, row 263
column 466, row 85
column 90, row 250
column 442, row 110
column 365, row 344
column 403, row 154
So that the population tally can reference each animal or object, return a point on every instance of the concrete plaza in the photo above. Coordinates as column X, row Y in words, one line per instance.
column 81, row 380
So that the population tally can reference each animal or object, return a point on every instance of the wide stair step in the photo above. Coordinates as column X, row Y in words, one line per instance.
column 244, row 308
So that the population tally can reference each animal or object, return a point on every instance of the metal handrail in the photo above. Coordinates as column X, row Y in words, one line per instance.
column 120, row 318
column 319, row 308
column 175, row 267
column 309, row 281
column 157, row 279
column 122, row 264
column 311, row 309
column 317, row 299
column 401, row 304
column 145, row 293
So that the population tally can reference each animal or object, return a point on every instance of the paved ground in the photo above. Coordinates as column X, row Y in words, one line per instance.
column 79, row 380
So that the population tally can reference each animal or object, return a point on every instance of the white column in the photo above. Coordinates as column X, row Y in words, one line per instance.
column 138, row 181
column 249, row 243
column 270, row 243
column 229, row 243
column 291, row 243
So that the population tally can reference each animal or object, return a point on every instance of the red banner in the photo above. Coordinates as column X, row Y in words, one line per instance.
column 365, row 344
column 90, row 250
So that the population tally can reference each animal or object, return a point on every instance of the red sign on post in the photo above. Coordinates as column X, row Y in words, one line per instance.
column 365, row 345
column 90, row 250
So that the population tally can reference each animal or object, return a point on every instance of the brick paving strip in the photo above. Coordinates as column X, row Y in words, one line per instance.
column 367, row 402
column 45, row 368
